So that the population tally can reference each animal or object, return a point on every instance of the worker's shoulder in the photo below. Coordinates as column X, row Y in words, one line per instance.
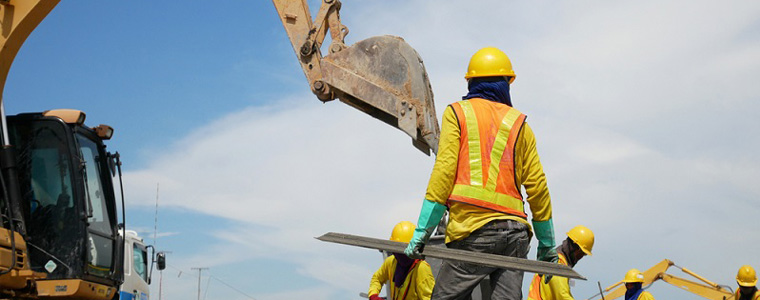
column 517, row 110
column 423, row 269
column 424, row 265
column 646, row 296
column 526, row 133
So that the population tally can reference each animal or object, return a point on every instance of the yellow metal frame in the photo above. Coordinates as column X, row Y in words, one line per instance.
column 19, row 19
column 307, row 37
column 74, row 289
column 18, row 277
column 706, row 289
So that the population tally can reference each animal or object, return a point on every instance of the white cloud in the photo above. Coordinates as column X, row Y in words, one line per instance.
column 148, row 233
column 258, row 166
column 288, row 174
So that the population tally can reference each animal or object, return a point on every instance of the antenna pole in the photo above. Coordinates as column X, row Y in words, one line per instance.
column 199, row 280
column 155, row 218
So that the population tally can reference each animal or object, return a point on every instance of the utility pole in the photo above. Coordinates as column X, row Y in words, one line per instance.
column 199, row 280
column 161, row 278
column 160, row 284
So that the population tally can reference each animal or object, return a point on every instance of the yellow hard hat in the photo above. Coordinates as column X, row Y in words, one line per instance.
column 746, row 276
column 582, row 236
column 633, row 275
column 489, row 62
column 403, row 232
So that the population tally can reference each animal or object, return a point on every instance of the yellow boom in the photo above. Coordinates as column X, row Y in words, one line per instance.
column 705, row 288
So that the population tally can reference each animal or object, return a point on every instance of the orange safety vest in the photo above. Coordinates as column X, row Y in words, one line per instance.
column 486, row 168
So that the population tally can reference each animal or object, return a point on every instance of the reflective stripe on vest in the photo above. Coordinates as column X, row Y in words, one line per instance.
column 534, row 292
column 501, row 157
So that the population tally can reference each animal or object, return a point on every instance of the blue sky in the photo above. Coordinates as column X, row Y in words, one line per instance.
column 644, row 112
column 135, row 63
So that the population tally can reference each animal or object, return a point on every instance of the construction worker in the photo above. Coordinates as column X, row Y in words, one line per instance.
column 579, row 242
column 746, row 278
column 486, row 152
column 633, row 281
column 410, row 279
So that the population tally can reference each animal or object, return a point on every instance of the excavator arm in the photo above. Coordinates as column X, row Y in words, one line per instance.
column 706, row 289
column 19, row 18
column 382, row 76
column 709, row 292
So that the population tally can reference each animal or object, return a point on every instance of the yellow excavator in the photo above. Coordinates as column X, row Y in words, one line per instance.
column 60, row 230
column 705, row 288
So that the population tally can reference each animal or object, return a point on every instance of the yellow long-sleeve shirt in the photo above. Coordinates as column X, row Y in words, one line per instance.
column 558, row 288
column 465, row 218
column 645, row 296
column 418, row 284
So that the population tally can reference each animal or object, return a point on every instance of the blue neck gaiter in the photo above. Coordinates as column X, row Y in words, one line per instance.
column 633, row 294
column 492, row 88
column 403, row 266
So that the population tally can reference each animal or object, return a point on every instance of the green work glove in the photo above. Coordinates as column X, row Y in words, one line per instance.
column 546, row 246
column 430, row 215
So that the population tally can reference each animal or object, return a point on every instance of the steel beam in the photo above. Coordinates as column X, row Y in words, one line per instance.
column 491, row 260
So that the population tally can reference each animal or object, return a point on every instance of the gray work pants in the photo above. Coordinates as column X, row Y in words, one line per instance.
column 456, row 280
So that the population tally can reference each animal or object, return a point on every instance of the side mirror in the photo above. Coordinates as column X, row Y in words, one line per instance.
column 161, row 260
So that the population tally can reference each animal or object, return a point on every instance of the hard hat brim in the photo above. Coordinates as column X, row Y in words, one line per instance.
column 746, row 283
column 511, row 76
column 633, row 281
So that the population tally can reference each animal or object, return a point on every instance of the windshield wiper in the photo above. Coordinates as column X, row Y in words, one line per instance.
column 50, row 255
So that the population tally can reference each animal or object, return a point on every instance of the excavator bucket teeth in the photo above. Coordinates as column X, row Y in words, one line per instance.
column 384, row 77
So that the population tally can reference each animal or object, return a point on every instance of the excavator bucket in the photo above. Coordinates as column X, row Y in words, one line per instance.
column 384, row 77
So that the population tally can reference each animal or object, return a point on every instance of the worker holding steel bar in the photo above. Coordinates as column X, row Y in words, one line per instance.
column 747, row 280
column 579, row 242
column 486, row 153
column 410, row 279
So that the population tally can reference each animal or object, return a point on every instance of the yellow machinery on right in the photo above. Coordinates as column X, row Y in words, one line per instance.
column 705, row 288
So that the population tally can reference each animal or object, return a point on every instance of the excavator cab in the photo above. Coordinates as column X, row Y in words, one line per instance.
column 68, row 204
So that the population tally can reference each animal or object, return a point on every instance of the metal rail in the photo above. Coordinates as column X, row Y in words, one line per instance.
column 491, row 260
